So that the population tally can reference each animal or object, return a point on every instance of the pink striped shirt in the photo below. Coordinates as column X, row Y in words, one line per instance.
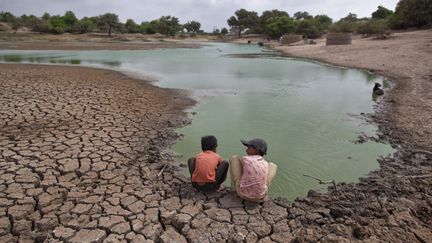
column 253, row 183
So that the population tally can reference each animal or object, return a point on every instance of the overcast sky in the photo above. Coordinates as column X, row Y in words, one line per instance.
column 210, row 13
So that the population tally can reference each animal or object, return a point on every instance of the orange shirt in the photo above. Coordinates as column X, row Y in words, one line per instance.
column 205, row 167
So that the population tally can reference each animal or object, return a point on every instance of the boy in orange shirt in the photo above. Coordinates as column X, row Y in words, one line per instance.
column 208, row 170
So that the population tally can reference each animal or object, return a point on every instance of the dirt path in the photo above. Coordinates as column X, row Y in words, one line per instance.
column 84, row 158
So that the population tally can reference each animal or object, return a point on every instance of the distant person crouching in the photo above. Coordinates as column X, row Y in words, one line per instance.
column 252, row 175
column 208, row 170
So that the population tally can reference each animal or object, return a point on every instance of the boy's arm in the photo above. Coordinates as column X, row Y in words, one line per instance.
column 220, row 159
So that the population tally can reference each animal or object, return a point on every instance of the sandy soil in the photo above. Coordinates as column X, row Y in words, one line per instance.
column 84, row 157
column 406, row 59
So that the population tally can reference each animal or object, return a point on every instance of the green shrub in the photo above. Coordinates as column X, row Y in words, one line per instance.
column 58, row 26
column 377, row 27
column 343, row 26
column 43, row 26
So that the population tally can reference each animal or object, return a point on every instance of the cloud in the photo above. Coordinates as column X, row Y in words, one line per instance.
column 210, row 13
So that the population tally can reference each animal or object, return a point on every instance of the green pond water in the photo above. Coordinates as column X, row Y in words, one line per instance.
column 307, row 112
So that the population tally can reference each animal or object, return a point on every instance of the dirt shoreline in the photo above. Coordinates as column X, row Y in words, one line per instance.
column 91, row 46
column 79, row 162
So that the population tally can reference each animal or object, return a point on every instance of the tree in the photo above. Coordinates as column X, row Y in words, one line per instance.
column 149, row 27
column 29, row 21
column 278, row 26
column 266, row 15
column 46, row 16
column 235, row 25
column 224, row 31
column 70, row 19
column 192, row 26
column 244, row 19
column 382, row 13
column 323, row 22
column 168, row 25
column 412, row 13
column 84, row 25
column 302, row 15
column 7, row 17
column 108, row 21
column 308, row 27
column 350, row 17
column 131, row 26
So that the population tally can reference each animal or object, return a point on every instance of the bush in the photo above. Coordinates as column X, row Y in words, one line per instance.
column 58, row 26
column 343, row 27
column 84, row 25
column 43, row 26
column 373, row 27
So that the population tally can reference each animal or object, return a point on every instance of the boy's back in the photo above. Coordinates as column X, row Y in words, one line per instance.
column 205, row 167
column 253, row 183
column 208, row 170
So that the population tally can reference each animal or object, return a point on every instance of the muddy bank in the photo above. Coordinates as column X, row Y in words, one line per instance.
column 90, row 46
column 92, row 41
column 84, row 157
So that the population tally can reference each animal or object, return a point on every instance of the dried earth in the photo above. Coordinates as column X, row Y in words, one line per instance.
column 81, row 46
column 84, row 158
column 91, row 41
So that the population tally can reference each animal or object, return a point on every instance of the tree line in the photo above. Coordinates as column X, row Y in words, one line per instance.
column 109, row 22
column 272, row 23
column 275, row 23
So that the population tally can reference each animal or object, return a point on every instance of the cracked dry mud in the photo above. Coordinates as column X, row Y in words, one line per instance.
column 81, row 158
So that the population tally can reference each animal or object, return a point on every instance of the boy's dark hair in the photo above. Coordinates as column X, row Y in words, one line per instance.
column 260, row 152
column 208, row 143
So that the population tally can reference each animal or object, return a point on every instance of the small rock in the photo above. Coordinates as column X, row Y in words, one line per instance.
column 63, row 233
column 88, row 236
column 170, row 235
column 181, row 220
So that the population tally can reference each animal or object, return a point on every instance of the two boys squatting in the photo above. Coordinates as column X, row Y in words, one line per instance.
column 250, row 175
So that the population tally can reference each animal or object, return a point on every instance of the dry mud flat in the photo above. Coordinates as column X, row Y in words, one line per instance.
column 83, row 158
column 90, row 46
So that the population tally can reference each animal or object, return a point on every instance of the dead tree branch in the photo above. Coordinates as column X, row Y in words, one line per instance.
column 162, row 170
column 417, row 151
column 323, row 182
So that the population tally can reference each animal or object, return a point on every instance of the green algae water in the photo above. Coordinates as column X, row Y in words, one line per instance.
column 307, row 112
